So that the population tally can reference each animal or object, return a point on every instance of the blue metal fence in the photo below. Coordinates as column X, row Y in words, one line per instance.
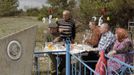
column 83, row 67
column 74, row 72
column 67, row 57
column 125, row 67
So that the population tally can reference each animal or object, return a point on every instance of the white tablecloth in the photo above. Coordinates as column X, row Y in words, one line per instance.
column 79, row 48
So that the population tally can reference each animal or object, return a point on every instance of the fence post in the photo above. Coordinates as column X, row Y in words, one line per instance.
column 67, row 57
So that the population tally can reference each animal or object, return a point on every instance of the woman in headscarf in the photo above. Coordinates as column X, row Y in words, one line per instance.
column 121, row 49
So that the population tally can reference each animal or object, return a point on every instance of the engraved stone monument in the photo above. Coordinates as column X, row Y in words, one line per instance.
column 16, row 49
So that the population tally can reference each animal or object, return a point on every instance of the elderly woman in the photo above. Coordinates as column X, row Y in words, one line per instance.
column 121, row 48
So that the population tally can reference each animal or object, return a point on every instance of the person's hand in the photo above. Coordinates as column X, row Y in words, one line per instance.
column 72, row 46
column 61, row 30
column 92, row 49
column 95, row 49
column 111, row 53
column 56, row 39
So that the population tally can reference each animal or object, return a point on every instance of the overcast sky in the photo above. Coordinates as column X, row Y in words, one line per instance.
column 24, row 4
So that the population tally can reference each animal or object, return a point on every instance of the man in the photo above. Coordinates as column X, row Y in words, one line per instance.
column 107, row 38
column 66, row 27
column 93, row 40
column 105, row 45
column 51, row 34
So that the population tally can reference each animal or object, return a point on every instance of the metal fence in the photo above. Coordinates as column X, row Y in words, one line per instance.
column 125, row 68
column 80, row 67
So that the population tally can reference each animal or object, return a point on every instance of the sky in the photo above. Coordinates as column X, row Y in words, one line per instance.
column 25, row 4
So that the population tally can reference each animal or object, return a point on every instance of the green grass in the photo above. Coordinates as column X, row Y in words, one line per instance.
column 9, row 25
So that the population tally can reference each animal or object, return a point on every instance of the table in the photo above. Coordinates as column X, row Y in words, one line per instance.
column 78, row 49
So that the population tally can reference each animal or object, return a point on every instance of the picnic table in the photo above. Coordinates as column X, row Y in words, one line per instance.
column 59, row 50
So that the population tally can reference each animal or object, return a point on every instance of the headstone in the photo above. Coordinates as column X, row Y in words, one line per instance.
column 16, row 50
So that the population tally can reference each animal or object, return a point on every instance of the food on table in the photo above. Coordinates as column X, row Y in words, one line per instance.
column 51, row 47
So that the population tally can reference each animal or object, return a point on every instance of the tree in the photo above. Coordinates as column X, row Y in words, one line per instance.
column 8, row 7
column 120, row 11
column 59, row 5
column 43, row 13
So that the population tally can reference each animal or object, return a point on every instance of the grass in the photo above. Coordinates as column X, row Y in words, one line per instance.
column 10, row 25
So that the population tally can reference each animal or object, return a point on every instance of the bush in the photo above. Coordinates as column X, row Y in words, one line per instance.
column 40, row 17
column 8, row 7
column 32, row 12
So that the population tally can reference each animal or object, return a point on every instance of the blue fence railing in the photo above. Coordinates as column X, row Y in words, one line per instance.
column 67, row 57
column 125, row 67
column 84, row 66
column 68, row 54
column 72, row 68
